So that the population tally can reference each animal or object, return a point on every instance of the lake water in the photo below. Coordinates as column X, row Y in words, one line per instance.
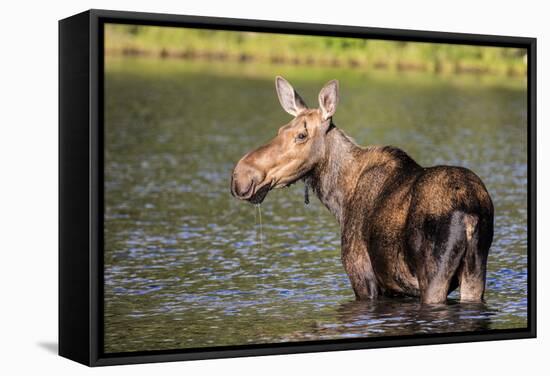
column 187, row 265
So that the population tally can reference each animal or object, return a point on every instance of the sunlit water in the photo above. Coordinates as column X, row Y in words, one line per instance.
column 186, row 265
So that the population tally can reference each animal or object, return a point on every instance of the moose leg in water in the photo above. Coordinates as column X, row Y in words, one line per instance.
column 441, row 246
column 358, row 267
column 473, row 271
column 406, row 229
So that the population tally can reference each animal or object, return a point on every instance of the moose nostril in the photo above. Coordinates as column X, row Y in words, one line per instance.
column 243, row 190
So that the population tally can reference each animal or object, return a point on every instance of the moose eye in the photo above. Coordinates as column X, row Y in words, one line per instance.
column 301, row 136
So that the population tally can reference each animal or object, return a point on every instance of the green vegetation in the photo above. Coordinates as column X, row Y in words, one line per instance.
column 169, row 42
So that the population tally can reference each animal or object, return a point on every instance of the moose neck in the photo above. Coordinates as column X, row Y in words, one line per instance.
column 347, row 166
column 335, row 177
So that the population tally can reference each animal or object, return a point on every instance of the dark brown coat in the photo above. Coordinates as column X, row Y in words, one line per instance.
column 406, row 229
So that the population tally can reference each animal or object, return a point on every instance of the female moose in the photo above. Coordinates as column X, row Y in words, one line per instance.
column 406, row 229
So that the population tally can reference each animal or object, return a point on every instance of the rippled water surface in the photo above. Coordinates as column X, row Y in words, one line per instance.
column 186, row 264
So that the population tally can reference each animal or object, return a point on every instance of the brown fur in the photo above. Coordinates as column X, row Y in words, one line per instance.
column 406, row 229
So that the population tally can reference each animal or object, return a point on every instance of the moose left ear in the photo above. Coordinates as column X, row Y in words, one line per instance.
column 289, row 98
column 328, row 99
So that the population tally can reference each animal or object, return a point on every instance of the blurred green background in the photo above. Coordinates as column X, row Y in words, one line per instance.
column 184, row 43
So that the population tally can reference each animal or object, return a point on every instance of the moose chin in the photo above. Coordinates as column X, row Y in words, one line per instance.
column 406, row 229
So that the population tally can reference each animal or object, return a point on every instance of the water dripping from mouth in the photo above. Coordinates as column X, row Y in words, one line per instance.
column 256, row 222
column 259, row 206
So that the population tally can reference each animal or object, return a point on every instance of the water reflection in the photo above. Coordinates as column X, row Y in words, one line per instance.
column 396, row 317
column 183, row 262
column 404, row 316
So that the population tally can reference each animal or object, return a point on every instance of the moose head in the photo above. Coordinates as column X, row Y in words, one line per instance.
column 298, row 147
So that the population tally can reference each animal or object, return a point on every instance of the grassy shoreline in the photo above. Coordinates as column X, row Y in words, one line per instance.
column 247, row 47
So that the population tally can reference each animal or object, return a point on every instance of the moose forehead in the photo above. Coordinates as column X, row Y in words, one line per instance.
column 307, row 117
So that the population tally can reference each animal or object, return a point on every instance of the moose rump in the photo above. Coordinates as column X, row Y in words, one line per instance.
column 430, row 232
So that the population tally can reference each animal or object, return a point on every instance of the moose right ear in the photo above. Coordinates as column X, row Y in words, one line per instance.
column 289, row 98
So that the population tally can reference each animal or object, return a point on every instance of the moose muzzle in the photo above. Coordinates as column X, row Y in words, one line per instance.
column 247, row 182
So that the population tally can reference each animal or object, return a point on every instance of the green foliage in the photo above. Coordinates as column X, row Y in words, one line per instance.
column 312, row 50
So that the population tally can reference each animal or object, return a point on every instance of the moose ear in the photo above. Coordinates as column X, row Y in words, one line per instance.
column 289, row 98
column 328, row 99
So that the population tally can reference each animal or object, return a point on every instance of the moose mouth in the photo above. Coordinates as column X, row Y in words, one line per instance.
column 256, row 195
column 259, row 195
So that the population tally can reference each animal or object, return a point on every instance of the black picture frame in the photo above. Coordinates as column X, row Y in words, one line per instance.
column 81, row 186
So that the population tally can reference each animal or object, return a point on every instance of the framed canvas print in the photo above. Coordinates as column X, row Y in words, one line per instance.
column 239, row 187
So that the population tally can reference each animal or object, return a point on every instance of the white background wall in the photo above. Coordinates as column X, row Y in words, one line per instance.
column 28, row 185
